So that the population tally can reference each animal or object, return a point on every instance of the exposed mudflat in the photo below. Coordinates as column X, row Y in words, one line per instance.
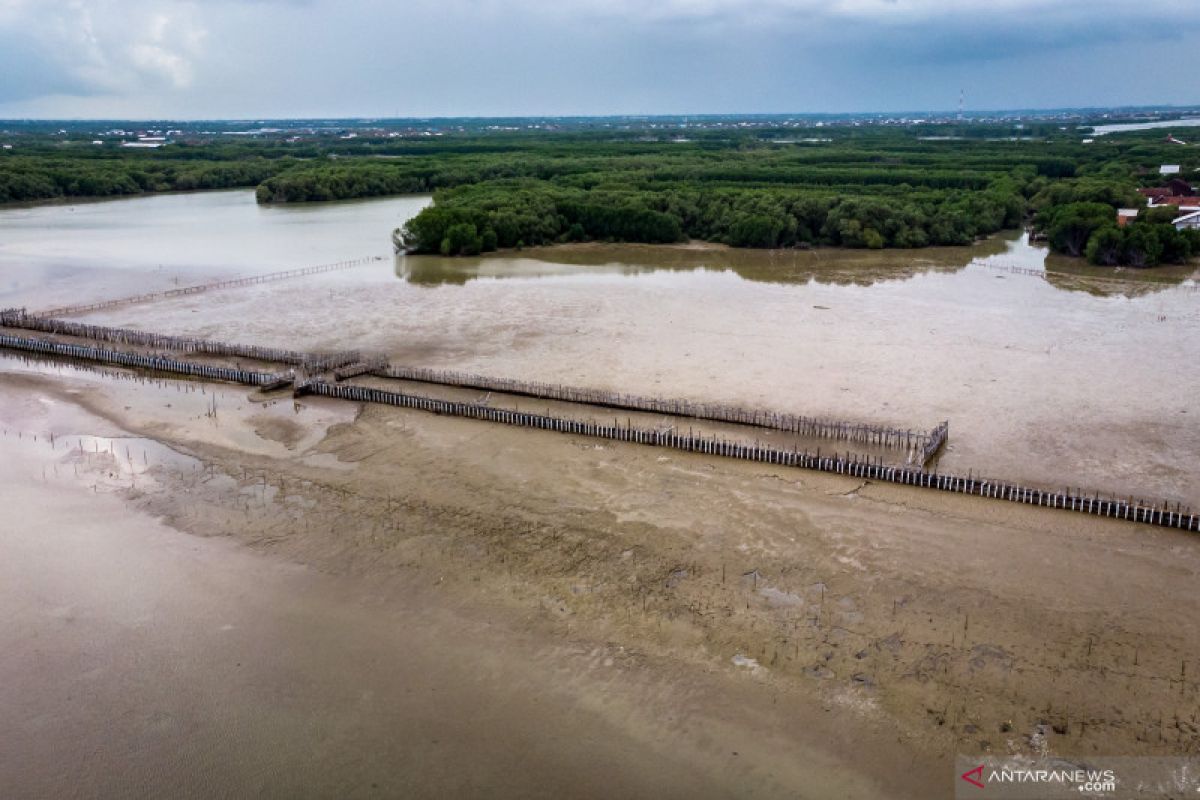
column 403, row 602
column 209, row 590
column 273, row 650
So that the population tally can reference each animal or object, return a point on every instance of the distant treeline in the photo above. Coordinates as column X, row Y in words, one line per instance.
column 849, row 188
column 33, row 178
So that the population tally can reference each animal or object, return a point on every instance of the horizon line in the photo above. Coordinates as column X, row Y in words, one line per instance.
column 1047, row 110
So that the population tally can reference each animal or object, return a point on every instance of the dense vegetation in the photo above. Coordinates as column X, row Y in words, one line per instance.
column 872, row 187
column 864, row 192
column 27, row 178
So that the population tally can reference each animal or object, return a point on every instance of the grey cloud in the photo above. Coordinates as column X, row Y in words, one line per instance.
column 453, row 57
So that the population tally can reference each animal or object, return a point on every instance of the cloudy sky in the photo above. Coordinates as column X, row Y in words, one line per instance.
column 296, row 58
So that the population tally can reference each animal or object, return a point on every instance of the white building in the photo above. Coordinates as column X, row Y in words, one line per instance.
column 1187, row 221
column 1169, row 169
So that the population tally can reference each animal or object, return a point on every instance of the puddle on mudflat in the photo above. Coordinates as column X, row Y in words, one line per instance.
column 224, row 415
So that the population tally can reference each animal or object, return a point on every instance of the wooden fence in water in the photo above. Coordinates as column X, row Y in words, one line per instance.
column 229, row 283
column 142, row 361
column 1116, row 282
column 916, row 442
column 845, row 464
column 313, row 362
column 921, row 446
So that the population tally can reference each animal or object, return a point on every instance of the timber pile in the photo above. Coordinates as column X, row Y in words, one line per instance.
column 893, row 438
column 844, row 464
column 142, row 361
column 229, row 283
column 313, row 362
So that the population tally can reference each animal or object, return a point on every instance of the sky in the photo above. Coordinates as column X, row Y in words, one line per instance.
column 254, row 59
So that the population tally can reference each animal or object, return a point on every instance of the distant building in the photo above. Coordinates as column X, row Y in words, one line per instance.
column 1125, row 216
column 1182, row 203
column 1180, row 188
column 1169, row 169
column 1188, row 221
column 1177, row 192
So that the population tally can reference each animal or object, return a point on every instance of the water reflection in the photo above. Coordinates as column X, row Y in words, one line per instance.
column 1012, row 254
column 1076, row 275
column 843, row 267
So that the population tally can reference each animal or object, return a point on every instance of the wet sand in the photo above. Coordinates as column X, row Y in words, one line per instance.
column 567, row 614
column 143, row 661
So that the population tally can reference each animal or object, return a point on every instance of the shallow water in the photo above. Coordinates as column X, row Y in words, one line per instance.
column 1070, row 376
column 87, row 251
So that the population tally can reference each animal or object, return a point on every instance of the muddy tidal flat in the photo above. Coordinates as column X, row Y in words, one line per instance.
column 208, row 590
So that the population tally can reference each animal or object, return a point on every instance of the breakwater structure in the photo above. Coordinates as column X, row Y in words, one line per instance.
column 307, row 377
column 156, row 363
column 228, row 283
column 922, row 446
column 312, row 362
column 841, row 464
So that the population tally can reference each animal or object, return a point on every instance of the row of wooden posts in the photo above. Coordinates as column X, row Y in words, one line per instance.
column 312, row 362
column 1015, row 269
column 142, row 361
column 921, row 446
column 927, row 444
column 228, row 283
column 843, row 464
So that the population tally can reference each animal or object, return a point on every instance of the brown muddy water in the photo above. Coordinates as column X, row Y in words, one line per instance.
column 207, row 591
column 1073, row 377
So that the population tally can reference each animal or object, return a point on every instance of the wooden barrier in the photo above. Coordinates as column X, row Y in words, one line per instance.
column 921, row 446
column 844, row 464
column 312, row 362
column 1117, row 283
column 937, row 438
column 360, row 367
column 229, row 283
column 142, row 361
